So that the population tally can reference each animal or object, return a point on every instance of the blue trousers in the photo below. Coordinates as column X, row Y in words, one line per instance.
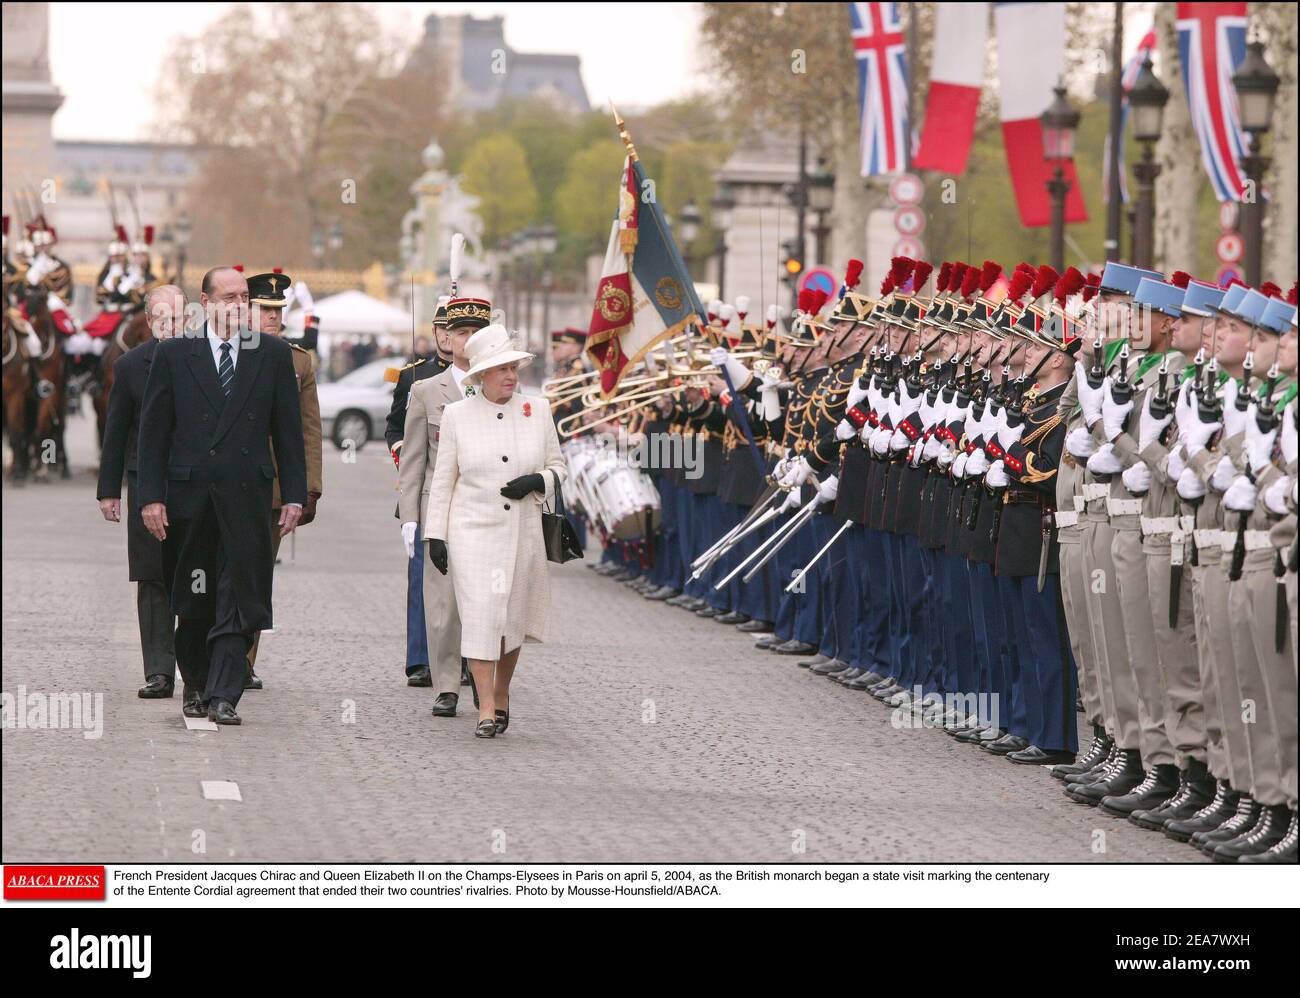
column 1047, row 671
column 1016, row 644
column 953, row 607
column 986, row 624
column 843, row 600
column 417, row 642
column 808, row 540
column 871, row 647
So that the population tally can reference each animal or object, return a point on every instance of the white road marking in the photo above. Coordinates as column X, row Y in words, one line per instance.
column 220, row 790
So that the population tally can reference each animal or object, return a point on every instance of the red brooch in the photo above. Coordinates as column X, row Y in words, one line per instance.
column 528, row 409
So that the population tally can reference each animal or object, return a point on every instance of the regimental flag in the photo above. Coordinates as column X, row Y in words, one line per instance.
column 882, row 86
column 1127, row 78
column 645, row 295
column 1211, row 45
column 1031, row 59
column 956, row 78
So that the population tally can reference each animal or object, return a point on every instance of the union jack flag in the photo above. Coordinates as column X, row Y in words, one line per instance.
column 1211, row 45
column 1126, row 80
column 882, row 86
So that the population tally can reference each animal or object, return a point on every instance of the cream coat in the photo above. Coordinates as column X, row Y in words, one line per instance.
column 496, row 554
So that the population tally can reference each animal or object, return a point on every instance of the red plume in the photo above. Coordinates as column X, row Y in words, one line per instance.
column 121, row 234
column 277, row 270
column 820, row 298
column 1232, row 281
column 1020, row 283
column 945, row 274
column 920, row 275
column 989, row 275
column 6, row 225
column 1270, row 290
column 853, row 274
column 239, row 267
column 1071, row 281
column 148, row 235
column 806, row 300
column 899, row 268
column 1091, row 285
column 970, row 282
column 1045, row 278
column 958, row 275
column 1291, row 295
column 1180, row 279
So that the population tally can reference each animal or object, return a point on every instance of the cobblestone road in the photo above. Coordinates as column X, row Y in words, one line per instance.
column 639, row 732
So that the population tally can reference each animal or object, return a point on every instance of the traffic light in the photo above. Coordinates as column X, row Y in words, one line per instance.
column 791, row 258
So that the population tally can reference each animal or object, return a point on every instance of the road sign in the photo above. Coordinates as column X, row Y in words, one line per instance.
column 819, row 279
column 1229, row 248
column 906, row 189
column 1228, row 215
column 1227, row 274
column 909, row 221
column 909, row 246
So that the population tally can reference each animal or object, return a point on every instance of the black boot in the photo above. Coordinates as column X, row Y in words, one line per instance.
column 1127, row 774
column 1208, row 818
column 1284, row 851
column 1161, row 784
column 1244, row 820
column 1096, row 753
column 1272, row 827
column 1194, row 792
column 1101, row 771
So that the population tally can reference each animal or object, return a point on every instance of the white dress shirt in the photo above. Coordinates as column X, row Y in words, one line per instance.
column 459, row 377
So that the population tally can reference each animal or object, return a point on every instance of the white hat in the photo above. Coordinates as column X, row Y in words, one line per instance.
column 492, row 346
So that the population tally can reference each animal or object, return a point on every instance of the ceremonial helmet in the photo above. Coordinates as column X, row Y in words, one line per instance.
column 119, row 245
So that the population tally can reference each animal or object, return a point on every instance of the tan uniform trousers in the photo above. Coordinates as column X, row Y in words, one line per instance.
column 1176, row 655
column 1218, row 669
column 1116, row 686
column 441, row 626
column 1074, row 597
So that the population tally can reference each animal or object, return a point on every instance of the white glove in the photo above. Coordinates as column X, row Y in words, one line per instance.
column 1008, row 435
column 1240, row 496
column 828, row 490
column 1197, row 434
column 736, row 371
column 1289, row 433
column 880, row 441
column 1259, row 445
column 856, row 394
column 898, row 441
column 1175, row 466
column 1114, row 414
column 946, row 456
column 1190, row 486
column 932, row 449
column 1104, row 462
column 408, row 538
column 1234, row 422
column 792, row 501
column 844, row 430
column 718, row 356
column 770, row 396
column 1224, row 474
column 1150, row 428
column 959, row 465
column 1080, row 443
column 1091, row 399
column 977, row 463
column 780, row 468
column 996, row 476
column 796, row 474
column 1276, row 494
column 1137, row 479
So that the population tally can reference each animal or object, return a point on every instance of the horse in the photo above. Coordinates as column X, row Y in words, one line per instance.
column 131, row 332
column 17, row 391
column 48, row 393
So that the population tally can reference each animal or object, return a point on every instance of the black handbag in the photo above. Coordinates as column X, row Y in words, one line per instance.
column 558, row 533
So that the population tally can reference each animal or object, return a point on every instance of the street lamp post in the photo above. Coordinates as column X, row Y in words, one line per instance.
column 336, row 242
column 317, row 245
column 1147, row 100
column 689, row 221
column 184, row 229
column 1256, row 85
column 821, row 195
column 1059, row 122
column 722, row 205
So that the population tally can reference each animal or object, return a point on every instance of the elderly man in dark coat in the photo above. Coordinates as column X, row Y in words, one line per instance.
column 217, row 400
column 165, row 307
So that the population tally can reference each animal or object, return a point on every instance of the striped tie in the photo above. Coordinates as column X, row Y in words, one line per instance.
column 226, row 369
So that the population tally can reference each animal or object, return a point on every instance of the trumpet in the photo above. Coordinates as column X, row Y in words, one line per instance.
column 622, row 406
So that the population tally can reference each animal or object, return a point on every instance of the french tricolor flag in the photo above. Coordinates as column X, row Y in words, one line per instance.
column 1031, row 58
column 956, row 77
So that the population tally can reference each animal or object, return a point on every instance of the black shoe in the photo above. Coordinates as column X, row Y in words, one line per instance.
column 419, row 676
column 1245, row 818
column 662, row 593
column 1271, row 828
column 755, row 627
column 445, row 705
column 221, row 712
column 831, row 667
column 1159, row 786
column 194, row 705
column 769, row 642
column 1208, row 818
column 818, row 659
column 1006, row 745
column 847, row 676
column 708, row 611
column 793, row 647
column 1095, row 753
column 486, row 729
column 1283, row 852
column 503, row 721
column 734, row 617
column 1126, row 774
column 252, row 681
column 1034, row 756
column 157, row 688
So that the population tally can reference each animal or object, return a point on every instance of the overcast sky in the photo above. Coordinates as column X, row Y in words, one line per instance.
column 105, row 57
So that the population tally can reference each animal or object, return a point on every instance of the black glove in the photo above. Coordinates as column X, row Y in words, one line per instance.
column 438, row 555
column 519, row 487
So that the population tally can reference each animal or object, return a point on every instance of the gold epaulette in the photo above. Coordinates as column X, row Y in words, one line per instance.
column 394, row 373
